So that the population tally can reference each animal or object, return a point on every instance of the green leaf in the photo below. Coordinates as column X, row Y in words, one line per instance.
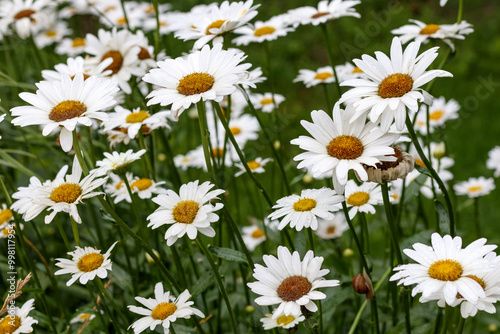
column 9, row 161
column 444, row 217
column 414, row 187
column 202, row 284
column 423, row 170
column 300, row 242
column 229, row 254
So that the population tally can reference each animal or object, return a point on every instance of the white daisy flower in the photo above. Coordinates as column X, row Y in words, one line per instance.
column 66, row 104
column 439, row 112
column 189, row 212
column 145, row 188
column 135, row 120
column 282, row 321
column 304, row 210
column 52, row 34
column 208, row 75
column 244, row 127
column 61, row 195
column 116, row 162
column 217, row 21
column 289, row 282
column 73, row 66
column 25, row 17
column 348, row 71
column 332, row 228
column 322, row 75
column 493, row 161
column 265, row 101
column 392, row 84
column 184, row 161
column 475, row 187
column 326, row 11
column 256, row 166
column 71, row 46
column 117, row 188
column 362, row 198
column 262, row 31
column 423, row 33
column 252, row 236
column 85, row 265
column 19, row 322
column 162, row 310
column 340, row 145
column 445, row 269
column 82, row 318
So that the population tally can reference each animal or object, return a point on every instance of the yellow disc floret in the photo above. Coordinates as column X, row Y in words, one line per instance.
column 446, row 270
column 185, row 211
column 195, row 83
column 90, row 262
column 66, row 192
column 67, row 110
column 345, row 147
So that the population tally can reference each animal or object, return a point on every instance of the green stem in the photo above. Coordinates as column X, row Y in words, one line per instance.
column 125, row 14
column 105, row 293
column 63, row 233
column 78, row 152
column 356, row 240
column 476, row 217
column 327, row 99
column 170, row 159
column 220, row 284
column 460, row 11
column 461, row 324
column 76, row 235
column 145, row 157
column 205, row 135
column 329, row 51
column 390, row 220
column 94, row 300
column 157, row 30
column 448, row 314
column 435, row 175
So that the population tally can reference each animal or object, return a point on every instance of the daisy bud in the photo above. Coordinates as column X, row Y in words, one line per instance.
column 249, row 309
column 391, row 170
column 150, row 259
column 439, row 150
column 347, row 253
column 162, row 157
column 363, row 285
column 492, row 328
column 277, row 144
column 307, row 178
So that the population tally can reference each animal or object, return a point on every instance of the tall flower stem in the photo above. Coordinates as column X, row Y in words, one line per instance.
column 327, row 99
column 476, row 217
column 145, row 157
column 331, row 59
column 63, row 233
column 96, row 306
column 76, row 235
column 220, row 284
column 434, row 174
column 448, row 315
column 110, row 299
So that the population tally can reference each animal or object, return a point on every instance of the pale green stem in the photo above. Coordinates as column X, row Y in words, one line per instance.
column 110, row 299
column 76, row 235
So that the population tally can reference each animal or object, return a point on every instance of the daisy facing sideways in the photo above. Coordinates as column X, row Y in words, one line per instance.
column 493, row 161
column 189, row 212
column 162, row 310
column 304, row 210
column 66, row 104
column 341, row 144
column 475, row 187
column 391, row 85
column 19, row 322
column 85, row 265
column 290, row 282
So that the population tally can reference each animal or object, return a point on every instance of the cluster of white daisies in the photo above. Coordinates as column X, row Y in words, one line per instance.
column 360, row 136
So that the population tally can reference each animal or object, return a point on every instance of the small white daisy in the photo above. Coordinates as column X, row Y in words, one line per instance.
column 252, row 236
column 475, row 187
column 162, row 310
column 208, row 75
column 392, row 84
column 326, row 11
column 282, row 321
column 73, row 66
column 145, row 188
column 262, row 31
column 265, row 101
column 189, row 212
column 52, row 34
column 117, row 188
column 19, row 322
column 439, row 112
column 135, row 120
column 340, row 145
column 85, row 265
column 332, row 228
column 348, row 71
column 362, row 198
column 25, row 17
column 71, row 46
column 289, row 282
column 493, row 161
column 304, row 210
column 256, row 166
column 322, row 75
column 82, row 317
column 66, row 104
column 444, row 269
column 117, row 162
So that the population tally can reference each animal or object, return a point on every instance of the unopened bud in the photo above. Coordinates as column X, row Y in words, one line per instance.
column 162, row 157
column 492, row 328
column 439, row 150
column 307, row 178
column 249, row 308
column 347, row 252
column 363, row 285
column 150, row 259
column 277, row 144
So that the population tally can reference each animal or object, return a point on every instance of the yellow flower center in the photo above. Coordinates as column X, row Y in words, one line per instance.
column 141, row 184
column 218, row 152
column 446, row 270
column 358, row 198
column 185, row 211
column 67, row 193
column 474, row 188
column 323, row 76
column 293, row 288
column 163, row 310
column 117, row 63
column 216, row 24
column 84, row 316
column 395, row 85
column 330, row 230
column 78, row 42
column 24, row 13
column 119, row 185
column 478, row 280
column 66, row 110
column 9, row 325
column 195, row 83
column 143, row 54
column 304, row 204
column 137, row 117
column 266, row 101
column 6, row 231
column 235, row 130
column 436, row 115
column 253, row 164
column 51, row 33
column 264, row 31
column 90, row 262
column 345, row 147
column 429, row 29
column 285, row 320
column 320, row 14
column 419, row 162
column 357, row 70
column 258, row 233
column 122, row 20
column 150, row 9
column 109, row 8
column 5, row 216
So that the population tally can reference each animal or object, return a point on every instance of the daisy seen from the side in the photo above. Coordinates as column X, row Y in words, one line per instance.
column 162, row 310
column 86, row 263
column 475, row 187
column 66, row 104
column 117, row 162
column 281, row 321
column 290, row 282
column 439, row 112
column 135, row 120
column 262, row 31
column 326, row 11
column 322, row 75
column 188, row 212
column 267, row 102
column 256, row 166
column 332, row 228
column 493, row 161
column 392, row 85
